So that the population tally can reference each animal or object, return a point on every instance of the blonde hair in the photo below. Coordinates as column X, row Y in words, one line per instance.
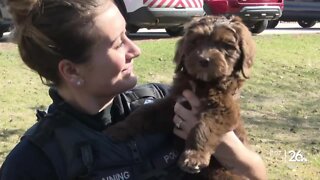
column 48, row 31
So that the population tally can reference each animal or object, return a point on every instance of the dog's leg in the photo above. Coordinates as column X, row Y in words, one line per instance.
column 204, row 138
column 196, row 156
column 148, row 118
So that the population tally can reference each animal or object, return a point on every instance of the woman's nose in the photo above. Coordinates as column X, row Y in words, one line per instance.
column 133, row 50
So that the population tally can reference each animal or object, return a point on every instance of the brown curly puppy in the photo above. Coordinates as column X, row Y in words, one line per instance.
column 213, row 59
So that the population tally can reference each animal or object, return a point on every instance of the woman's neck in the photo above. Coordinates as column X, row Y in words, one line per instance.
column 83, row 101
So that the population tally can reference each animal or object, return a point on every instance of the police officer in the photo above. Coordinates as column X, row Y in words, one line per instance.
column 80, row 49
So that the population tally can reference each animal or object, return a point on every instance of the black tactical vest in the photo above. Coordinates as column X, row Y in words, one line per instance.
column 79, row 152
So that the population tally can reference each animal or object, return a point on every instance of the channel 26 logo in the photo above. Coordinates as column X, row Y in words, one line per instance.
column 296, row 156
column 291, row 156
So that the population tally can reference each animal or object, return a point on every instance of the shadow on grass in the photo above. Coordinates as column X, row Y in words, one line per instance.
column 285, row 126
column 3, row 153
column 6, row 133
column 40, row 107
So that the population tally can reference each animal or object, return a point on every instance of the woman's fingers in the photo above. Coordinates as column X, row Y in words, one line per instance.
column 178, row 122
column 186, row 119
column 193, row 100
column 182, row 127
column 180, row 133
column 184, row 113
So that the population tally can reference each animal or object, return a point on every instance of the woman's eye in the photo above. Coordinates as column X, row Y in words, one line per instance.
column 119, row 45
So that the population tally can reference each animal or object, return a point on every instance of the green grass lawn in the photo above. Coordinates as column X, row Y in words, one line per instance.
column 280, row 103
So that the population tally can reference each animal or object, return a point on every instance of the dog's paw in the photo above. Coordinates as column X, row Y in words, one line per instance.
column 192, row 161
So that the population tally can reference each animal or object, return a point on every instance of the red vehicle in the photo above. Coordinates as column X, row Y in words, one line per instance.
column 255, row 13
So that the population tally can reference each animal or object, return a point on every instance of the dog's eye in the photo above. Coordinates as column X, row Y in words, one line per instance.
column 230, row 51
column 229, row 48
column 194, row 42
column 229, row 45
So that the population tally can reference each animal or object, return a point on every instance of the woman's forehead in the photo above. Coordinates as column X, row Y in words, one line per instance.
column 110, row 22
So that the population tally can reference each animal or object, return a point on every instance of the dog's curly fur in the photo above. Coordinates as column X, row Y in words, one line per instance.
column 213, row 59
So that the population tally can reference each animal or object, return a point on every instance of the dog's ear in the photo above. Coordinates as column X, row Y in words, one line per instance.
column 180, row 46
column 247, row 45
column 179, row 55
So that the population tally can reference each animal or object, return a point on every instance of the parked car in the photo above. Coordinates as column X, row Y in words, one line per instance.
column 255, row 13
column 5, row 19
column 168, row 14
column 305, row 12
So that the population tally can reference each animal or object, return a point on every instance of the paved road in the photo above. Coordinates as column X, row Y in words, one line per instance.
column 282, row 28
column 292, row 28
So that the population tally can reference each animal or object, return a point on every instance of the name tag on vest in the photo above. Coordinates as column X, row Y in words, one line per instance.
column 117, row 174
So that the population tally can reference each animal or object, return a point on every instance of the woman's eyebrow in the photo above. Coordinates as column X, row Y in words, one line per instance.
column 115, row 39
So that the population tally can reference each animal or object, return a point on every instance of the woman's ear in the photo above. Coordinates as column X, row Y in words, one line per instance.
column 70, row 73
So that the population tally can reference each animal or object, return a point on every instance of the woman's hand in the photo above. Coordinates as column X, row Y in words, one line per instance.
column 184, row 118
column 231, row 152
column 238, row 158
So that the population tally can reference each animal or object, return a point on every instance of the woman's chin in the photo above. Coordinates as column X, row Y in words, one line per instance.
column 130, row 80
column 133, row 80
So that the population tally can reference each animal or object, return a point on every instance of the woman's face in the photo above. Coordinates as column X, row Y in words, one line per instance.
column 110, row 69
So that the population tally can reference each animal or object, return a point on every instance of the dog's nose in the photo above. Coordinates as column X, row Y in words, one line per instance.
column 204, row 63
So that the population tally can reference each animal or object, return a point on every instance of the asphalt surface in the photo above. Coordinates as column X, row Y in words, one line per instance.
column 282, row 28
column 292, row 28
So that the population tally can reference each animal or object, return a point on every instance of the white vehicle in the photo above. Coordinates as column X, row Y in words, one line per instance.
column 152, row 14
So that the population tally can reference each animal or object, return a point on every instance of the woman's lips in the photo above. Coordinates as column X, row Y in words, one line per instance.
column 128, row 70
